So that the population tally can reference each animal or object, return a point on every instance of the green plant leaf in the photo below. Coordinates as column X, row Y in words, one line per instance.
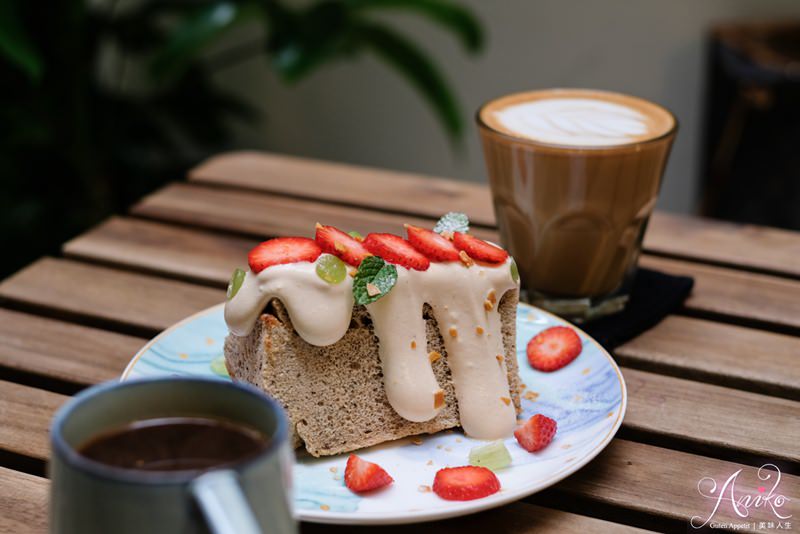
column 195, row 32
column 376, row 272
column 453, row 17
column 15, row 44
column 404, row 56
column 304, row 40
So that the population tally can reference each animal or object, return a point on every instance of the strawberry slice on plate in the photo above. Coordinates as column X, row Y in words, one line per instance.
column 282, row 250
column 536, row 433
column 434, row 246
column 552, row 349
column 333, row 241
column 361, row 475
column 478, row 249
column 465, row 483
column 395, row 249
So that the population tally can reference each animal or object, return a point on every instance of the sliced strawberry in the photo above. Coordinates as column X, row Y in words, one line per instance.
column 553, row 348
column 282, row 250
column 465, row 483
column 478, row 249
column 431, row 244
column 361, row 475
column 536, row 433
column 395, row 249
column 333, row 241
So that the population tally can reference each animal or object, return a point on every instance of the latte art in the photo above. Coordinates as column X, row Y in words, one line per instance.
column 574, row 121
column 577, row 118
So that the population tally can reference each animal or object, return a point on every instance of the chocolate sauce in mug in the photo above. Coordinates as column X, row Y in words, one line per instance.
column 175, row 444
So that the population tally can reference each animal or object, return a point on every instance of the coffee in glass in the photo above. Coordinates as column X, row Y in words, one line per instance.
column 575, row 175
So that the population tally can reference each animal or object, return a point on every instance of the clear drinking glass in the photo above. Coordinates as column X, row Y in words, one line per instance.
column 572, row 215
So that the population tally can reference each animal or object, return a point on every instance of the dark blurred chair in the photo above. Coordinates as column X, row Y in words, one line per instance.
column 751, row 160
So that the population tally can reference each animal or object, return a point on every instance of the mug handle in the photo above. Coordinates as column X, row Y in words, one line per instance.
column 224, row 504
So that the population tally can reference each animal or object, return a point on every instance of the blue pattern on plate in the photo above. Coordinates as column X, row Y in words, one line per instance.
column 582, row 397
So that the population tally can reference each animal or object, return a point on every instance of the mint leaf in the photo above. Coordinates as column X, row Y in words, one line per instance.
column 373, row 270
column 452, row 222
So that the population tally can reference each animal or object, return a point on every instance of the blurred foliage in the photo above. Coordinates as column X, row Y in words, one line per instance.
column 76, row 143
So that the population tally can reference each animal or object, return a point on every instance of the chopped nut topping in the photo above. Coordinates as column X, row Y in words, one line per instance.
column 333, row 469
column 491, row 297
column 413, row 344
column 479, row 330
column 372, row 289
column 488, row 305
column 531, row 395
column 438, row 398
column 453, row 331
column 324, row 507
column 416, row 440
column 429, row 462
column 447, row 234
column 505, row 400
column 500, row 359
column 433, row 356
column 465, row 259
column 424, row 489
column 352, row 273
column 339, row 247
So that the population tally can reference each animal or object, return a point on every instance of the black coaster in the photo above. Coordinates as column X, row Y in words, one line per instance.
column 654, row 296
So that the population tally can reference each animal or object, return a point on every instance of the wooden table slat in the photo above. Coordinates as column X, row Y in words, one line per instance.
column 263, row 215
column 141, row 303
column 721, row 417
column 740, row 295
column 724, row 354
column 25, row 414
column 65, row 351
column 745, row 246
column 23, row 502
column 350, row 184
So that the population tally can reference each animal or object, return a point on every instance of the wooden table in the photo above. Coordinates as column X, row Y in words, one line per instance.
column 712, row 389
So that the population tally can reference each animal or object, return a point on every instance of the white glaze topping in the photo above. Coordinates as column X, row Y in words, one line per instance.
column 321, row 312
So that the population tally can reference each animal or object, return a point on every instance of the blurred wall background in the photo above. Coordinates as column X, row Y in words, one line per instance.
column 359, row 112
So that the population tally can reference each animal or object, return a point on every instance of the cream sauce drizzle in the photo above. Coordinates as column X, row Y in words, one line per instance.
column 321, row 312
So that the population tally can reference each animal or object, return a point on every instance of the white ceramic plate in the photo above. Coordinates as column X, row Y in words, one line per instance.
column 587, row 398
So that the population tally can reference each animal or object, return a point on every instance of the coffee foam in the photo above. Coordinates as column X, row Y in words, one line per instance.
column 577, row 118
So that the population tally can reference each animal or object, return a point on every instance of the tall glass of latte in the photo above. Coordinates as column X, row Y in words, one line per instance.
column 575, row 174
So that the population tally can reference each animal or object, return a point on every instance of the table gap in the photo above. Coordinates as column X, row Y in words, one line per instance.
column 22, row 463
column 738, row 321
column 79, row 318
column 39, row 381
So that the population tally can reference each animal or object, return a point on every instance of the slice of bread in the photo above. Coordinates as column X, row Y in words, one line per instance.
column 334, row 395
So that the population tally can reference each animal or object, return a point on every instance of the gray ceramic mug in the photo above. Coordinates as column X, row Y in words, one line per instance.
column 88, row 497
